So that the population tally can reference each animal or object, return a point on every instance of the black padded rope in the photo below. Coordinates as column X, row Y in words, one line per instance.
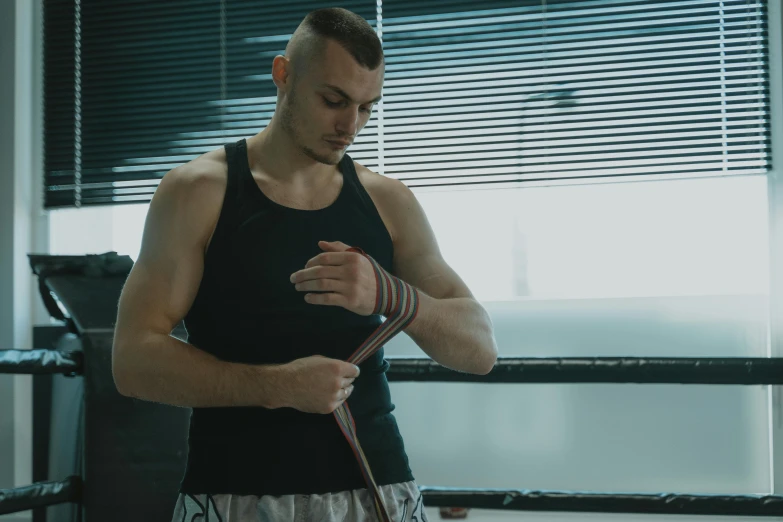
column 40, row 494
column 40, row 362
column 630, row 370
column 657, row 503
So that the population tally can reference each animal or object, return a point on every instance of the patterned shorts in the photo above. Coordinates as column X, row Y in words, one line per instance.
column 403, row 502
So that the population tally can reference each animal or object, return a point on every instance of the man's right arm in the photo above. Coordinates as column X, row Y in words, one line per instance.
column 147, row 362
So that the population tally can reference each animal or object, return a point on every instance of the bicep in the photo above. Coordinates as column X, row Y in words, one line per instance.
column 163, row 283
column 159, row 291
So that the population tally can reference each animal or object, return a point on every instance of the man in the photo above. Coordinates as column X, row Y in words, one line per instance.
column 249, row 244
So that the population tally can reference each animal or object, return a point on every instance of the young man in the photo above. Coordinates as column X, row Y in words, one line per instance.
column 249, row 244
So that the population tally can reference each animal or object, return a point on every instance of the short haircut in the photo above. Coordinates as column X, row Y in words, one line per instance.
column 346, row 28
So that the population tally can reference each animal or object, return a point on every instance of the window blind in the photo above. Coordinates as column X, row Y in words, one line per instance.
column 500, row 93
column 59, row 103
column 559, row 90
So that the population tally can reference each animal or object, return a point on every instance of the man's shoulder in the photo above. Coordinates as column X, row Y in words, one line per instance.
column 204, row 175
column 193, row 193
column 379, row 185
column 390, row 196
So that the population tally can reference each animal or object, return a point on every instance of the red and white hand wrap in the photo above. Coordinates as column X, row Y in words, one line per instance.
column 399, row 303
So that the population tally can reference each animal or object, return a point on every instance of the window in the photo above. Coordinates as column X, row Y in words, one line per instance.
column 516, row 93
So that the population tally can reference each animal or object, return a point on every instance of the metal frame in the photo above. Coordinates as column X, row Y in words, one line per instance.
column 775, row 200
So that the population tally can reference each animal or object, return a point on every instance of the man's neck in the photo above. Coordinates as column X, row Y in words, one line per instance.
column 272, row 152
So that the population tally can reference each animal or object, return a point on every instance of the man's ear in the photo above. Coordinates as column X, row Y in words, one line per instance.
column 281, row 72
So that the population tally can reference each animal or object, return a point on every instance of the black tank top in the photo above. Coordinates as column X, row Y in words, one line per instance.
column 248, row 311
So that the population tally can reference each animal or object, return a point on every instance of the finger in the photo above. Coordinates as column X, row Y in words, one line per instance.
column 318, row 272
column 321, row 285
column 344, row 383
column 327, row 299
column 330, row 258
column 350, row 371
column 341, row 395
column 333, row 246
column 339, row 245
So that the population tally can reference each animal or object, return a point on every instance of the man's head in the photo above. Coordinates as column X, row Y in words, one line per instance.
column 328, row 81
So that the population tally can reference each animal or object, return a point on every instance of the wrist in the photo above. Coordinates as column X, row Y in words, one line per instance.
column 273, row 380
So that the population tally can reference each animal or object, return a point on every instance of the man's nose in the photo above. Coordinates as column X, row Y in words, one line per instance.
column 348, row 122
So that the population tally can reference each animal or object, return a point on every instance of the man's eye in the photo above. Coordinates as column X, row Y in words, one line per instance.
column 331, row 103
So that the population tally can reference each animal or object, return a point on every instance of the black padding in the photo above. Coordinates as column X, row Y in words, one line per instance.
column 66, row 431
column 83, row 290
column 631, row 370
column 39, row 495
column 135, row 451
column 659, row 503
column 40, row 362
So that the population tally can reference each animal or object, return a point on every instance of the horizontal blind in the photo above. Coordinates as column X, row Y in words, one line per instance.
column 59, row 102
column 160, row 84
column 150, row 76
column 516, row 91
column 490, row 94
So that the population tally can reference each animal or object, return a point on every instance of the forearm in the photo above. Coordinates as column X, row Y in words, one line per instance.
column 456, row 333
column 160, row 368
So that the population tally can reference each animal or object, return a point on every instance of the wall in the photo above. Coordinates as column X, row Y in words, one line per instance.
column 23, row 227
column 7, row 63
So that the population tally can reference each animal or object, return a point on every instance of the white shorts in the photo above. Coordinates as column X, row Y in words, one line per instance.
column 403, row 502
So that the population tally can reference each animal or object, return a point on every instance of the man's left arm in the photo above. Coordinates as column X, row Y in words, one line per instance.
column 452, row 327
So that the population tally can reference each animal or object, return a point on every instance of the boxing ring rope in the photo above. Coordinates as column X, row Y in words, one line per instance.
column 40, row 494
column 620, row 370
column 41, row 362
column 105, row 409
column 508, row 370
column 587, row 502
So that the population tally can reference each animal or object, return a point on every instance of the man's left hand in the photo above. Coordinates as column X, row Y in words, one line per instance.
column 346, row 278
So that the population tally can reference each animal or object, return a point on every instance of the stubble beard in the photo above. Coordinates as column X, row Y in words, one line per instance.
column 291, row 125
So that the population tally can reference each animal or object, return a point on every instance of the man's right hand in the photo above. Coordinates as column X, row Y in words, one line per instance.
column 318, row 384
